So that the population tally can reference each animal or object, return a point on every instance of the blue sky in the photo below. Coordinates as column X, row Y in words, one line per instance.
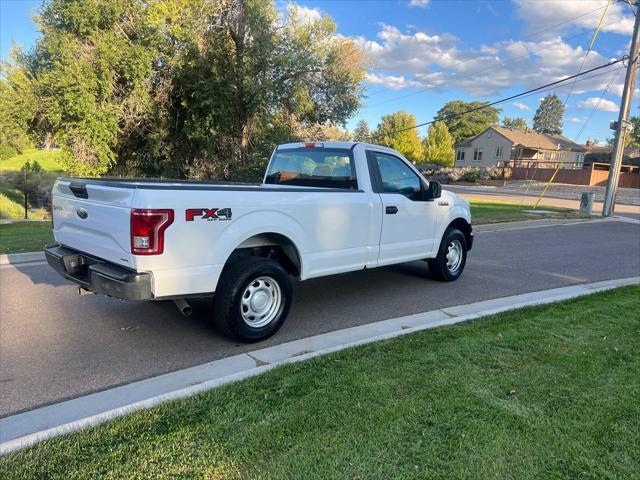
column 423, row 53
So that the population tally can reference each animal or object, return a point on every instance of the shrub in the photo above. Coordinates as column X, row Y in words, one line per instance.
column 472, row 174
column 456, row 174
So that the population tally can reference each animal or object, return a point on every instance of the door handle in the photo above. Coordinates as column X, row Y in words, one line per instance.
column 391, row 210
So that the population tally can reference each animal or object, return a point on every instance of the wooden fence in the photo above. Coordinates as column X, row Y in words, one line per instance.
column 592, row 176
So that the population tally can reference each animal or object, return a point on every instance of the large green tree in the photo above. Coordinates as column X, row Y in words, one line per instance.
column 438, row 145
column 462, row 122
column 517, row 123
column 548, row 117
column 184, row 87
column 397, row 131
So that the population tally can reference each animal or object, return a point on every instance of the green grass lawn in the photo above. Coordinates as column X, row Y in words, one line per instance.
column 542, row 392
column 495, row 212
column 48, row 159
column 24, row 236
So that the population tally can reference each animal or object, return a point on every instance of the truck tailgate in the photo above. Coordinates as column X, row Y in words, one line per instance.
column 93, row 219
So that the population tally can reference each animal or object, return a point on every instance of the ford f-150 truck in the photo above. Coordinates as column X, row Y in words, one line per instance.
column 323, row 208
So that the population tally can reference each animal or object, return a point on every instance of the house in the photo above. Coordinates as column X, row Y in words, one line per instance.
column 505, row 146
column 601, row 154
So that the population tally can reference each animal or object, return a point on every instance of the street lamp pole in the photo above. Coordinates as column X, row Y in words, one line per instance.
column 623, row 124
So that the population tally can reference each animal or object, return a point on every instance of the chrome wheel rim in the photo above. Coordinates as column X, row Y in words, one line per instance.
column 454, row 255
column 261, row 302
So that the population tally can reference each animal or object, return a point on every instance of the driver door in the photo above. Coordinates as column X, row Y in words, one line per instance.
column 408, row 221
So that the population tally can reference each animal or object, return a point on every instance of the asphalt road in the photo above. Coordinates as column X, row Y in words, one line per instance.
column 56, row 345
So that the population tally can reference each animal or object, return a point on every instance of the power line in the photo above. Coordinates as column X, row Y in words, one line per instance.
column 555, row 87
column 513, row 97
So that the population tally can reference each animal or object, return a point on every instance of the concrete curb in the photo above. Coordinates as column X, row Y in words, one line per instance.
column 18, row 258
column 28, row 428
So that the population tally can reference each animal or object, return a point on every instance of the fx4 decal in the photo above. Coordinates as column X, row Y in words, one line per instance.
column 209, row 214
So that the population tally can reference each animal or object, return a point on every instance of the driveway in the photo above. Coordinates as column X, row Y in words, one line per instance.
column 55, row 345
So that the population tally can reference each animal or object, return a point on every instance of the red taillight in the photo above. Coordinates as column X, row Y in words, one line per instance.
column 147, row 230
column 309, row 145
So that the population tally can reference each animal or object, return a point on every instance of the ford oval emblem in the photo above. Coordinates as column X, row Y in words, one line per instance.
column 82, row 213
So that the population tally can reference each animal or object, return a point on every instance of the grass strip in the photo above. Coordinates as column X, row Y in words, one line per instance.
column 23, row 237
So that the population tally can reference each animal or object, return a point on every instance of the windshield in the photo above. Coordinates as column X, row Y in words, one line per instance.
column 313, row 167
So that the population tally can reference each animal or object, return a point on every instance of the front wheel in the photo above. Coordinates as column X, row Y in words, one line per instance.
column 253, row 299
column 452, row 257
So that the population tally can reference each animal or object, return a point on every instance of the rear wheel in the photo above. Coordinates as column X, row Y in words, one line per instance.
column 452, row 257
column 252, row 299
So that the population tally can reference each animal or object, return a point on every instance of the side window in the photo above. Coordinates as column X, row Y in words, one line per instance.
column 397, row 177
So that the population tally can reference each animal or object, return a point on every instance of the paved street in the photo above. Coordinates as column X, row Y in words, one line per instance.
column 55, row 344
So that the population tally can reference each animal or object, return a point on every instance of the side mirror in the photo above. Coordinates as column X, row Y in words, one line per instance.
column 433, row 191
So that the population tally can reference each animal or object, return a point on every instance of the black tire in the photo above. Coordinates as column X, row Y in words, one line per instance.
column 228, row 307
column 438, row 267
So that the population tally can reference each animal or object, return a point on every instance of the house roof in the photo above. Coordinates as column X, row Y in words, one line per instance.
column 530, row 139
column 629, row 151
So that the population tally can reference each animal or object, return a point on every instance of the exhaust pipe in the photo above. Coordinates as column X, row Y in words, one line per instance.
column 183, row 306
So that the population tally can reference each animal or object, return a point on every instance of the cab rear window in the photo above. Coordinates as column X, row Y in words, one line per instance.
column 313, row 167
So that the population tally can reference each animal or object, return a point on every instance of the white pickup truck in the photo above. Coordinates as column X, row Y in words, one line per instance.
column 323, row 208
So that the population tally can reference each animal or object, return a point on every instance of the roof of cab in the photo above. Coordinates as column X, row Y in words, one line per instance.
column 325, row 144
column 322, row 143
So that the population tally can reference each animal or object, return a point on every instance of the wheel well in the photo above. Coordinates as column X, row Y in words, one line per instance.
column 273, row 246
column 464, row 226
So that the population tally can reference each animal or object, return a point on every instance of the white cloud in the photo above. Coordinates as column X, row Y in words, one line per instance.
column 419, row 59
column 599, row 104
column 304, row 15
column 540, row 15
column 419, row 3
column 521, row 106
column 574, row 120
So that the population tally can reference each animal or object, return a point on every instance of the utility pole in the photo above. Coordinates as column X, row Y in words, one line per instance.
column 623, row 124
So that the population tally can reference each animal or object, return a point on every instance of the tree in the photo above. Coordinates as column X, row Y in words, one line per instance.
column 438, row 145
column 463, row 125
column 17, row 105
column 406, row 141
column 362, row 133
column 548, row 117
column 199, row 88
column 518, row 123
column 635, row 134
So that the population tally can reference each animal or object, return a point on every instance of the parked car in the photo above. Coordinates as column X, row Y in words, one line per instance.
column 323, row 208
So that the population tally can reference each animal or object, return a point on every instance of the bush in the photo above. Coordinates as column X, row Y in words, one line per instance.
column 456, row 174
column 7, row 151
column 10, row 209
